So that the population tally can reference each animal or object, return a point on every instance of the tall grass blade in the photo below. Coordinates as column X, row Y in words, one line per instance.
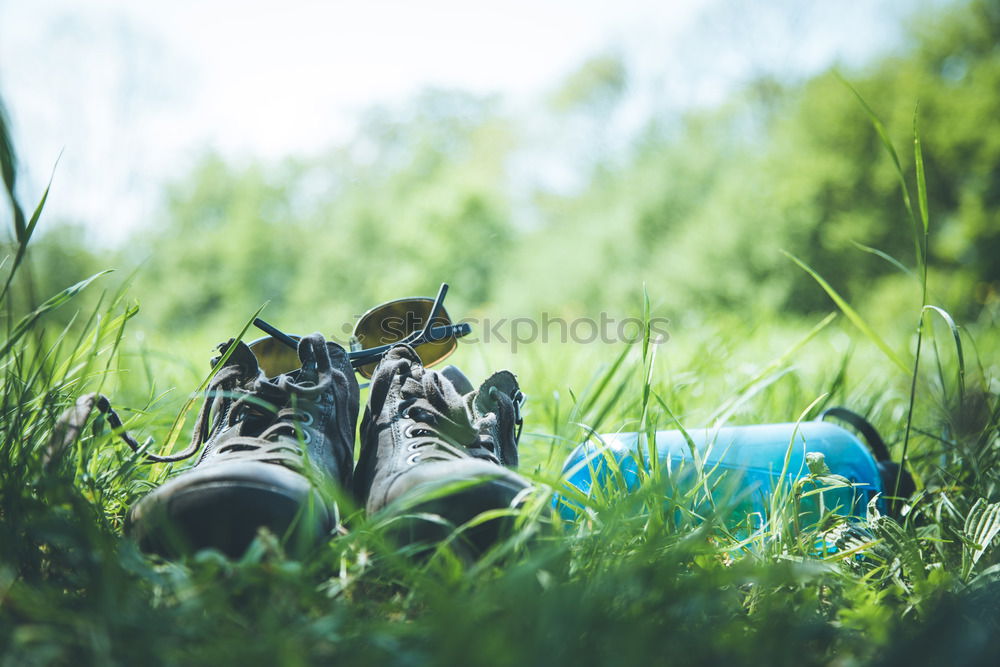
column 8, row 167
column 918, row 159
column 609, row 405
column 174, row 432
column 22, row 242
column 29, row 320
column 852, row 314
column 887, row 257
column 891, row 150
column 769, row 374
column 957, row 337
column 781, row 494
column 590, row 397
column 921, row 241
column 692, row 447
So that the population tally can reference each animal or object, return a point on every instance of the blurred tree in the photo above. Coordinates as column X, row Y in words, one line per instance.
column 59, row 256
column 698, row 209
column 410, row 204
column 228, row 246
column 595, row 87
column 952, row 71
column 700, row 214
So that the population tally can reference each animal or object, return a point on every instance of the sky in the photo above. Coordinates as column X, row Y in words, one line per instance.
column 130, row 94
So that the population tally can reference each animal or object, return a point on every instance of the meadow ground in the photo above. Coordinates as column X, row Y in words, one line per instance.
column 639, row 576
column 637, row 579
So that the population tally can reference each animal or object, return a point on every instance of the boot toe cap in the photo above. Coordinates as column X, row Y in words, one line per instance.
column 434, row 499
column 224, row 506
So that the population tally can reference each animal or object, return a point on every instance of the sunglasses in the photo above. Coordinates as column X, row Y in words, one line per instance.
column 420, row 322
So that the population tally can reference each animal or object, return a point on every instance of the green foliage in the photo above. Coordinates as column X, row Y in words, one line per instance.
column 700, row 214
column 323, row 239
column 703, row 209
column 596, row 85
column 698, row 208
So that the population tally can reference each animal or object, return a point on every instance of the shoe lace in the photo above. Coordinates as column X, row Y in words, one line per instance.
column 282, row 442
column 221, row 397
column 441, row 427
column 508, row 420
column 230, row 399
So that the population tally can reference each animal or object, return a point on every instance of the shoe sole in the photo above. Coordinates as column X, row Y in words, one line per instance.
column 428, row 513
column 224, row 510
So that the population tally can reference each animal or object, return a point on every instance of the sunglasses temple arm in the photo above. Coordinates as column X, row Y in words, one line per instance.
column 435, row 309
column 412, row 339
column 275, row 333
column 426, row 334
column 362, row 357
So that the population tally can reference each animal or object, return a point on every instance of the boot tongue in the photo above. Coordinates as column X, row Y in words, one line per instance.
column 242, row 356
column 316, row 366
column 310, row 349
column 457, row 379
column 505, row 383
column 495, row 419
column 480, row 400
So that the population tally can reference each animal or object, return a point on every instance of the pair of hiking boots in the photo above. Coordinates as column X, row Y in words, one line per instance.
column 278, row 453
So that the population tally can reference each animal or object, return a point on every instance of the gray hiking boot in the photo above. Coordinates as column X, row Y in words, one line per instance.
column 273, row 451
column 430, row 445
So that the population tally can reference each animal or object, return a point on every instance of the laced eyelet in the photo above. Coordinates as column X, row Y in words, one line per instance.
column 256, row 412
column 412, row 459
column 413, row 446
column 306, row 418
column 415, row 431
column 306, row 437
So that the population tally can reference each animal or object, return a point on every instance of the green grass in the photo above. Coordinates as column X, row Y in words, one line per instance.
column 639, row 578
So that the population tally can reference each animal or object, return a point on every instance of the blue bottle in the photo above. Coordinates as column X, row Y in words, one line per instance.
column 745, row 464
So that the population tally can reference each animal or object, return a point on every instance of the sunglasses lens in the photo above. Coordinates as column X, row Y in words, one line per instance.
column 392, row 322
column 274, row 357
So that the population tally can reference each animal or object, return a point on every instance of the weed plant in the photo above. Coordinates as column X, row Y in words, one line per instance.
column 640, row 576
